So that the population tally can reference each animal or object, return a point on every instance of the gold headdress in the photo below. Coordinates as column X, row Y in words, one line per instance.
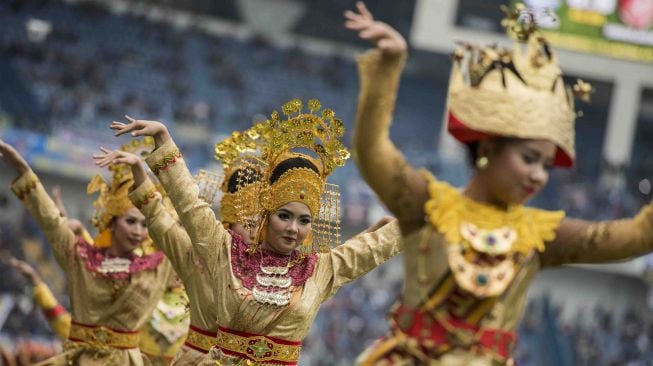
column 237, row 154
column 494, row 91
column 114, row 200
column 311, row 137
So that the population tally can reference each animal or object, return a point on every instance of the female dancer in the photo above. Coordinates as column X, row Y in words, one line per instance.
column 112, row 289
column 268, row 292
column 469, row 264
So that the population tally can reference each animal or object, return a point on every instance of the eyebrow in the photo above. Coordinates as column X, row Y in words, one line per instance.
column 549, row 159
column 293, row 214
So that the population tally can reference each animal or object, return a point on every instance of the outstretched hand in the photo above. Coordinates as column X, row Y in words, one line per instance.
column 112, row 157
column 140, row 127
column 386, row 38
column 21, row 266
column 12, row 158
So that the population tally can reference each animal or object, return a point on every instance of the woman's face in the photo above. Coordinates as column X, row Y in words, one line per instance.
column 129, row 231
column 287, row 228
column 518, row 169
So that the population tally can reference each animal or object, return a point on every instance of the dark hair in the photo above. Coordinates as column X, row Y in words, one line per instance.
column 286, row 165
column 472, row 152
column 242, row 177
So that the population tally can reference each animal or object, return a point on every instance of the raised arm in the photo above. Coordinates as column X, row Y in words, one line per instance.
column 30, row 191
column 164, row 229
column 57, row 316
column 579, row 241
column 359, row 255
column 399, row 186
column 167, row 163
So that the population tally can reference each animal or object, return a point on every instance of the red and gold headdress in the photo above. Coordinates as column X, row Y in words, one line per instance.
column 313, row 137
column 520, row 93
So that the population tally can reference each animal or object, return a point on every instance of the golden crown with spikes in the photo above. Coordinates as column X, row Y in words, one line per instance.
column 114, row 200
column 494, row 91
column 314, row 136
column 234, row 152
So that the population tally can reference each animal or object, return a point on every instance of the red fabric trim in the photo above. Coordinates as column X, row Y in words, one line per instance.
column 190, row 345
column 497, row 341
column 203, row 331
column 55, row 312
column 274, row 339
column 464, row 134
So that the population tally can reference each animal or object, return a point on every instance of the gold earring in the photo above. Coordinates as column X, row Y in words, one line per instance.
column 482, row 162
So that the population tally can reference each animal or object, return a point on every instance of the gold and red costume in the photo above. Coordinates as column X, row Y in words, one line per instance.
column 469, row 265
column 111, row 298
column 161, row 336
column 256, row 324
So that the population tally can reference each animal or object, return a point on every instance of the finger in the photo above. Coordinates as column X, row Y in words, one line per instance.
column 357, row 26
column 374, row 32
column 363, row 10
column 132, row 120
column 117, row 125
column 105, row 150
column 352, row 16
column 103, row 163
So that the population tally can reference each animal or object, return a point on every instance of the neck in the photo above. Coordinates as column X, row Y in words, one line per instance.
column 477, row 191
column 115, row 252
column 269, row 248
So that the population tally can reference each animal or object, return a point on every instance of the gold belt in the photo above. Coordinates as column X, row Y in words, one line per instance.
column 103, row 337
column 199, row 339
column 258, row 348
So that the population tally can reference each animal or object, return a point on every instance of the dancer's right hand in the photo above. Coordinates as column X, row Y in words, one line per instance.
column 12, row 158
column 387, row 39
column 140, row 127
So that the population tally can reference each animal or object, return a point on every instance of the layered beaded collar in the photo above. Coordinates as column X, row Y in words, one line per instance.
column 114, row 268
column 246, row 266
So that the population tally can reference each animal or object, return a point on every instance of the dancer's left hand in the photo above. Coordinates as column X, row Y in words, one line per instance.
column 111, row 157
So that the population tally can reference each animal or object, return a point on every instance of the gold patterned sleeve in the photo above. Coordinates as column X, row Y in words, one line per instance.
column 399, row 186
column 166, row 232
column 30, row 191
column 58, row 317
column 580, row 241
column 357, row 256
column 206, row 233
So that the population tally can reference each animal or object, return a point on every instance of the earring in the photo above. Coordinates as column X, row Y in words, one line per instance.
column 482, row 162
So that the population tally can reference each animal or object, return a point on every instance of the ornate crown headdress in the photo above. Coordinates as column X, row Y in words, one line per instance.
column 114, row 200
column 495, row 91
column 236, row 153
column 313, row 137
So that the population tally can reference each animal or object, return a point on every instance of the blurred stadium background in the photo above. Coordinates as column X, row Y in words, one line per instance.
column 205, row 68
